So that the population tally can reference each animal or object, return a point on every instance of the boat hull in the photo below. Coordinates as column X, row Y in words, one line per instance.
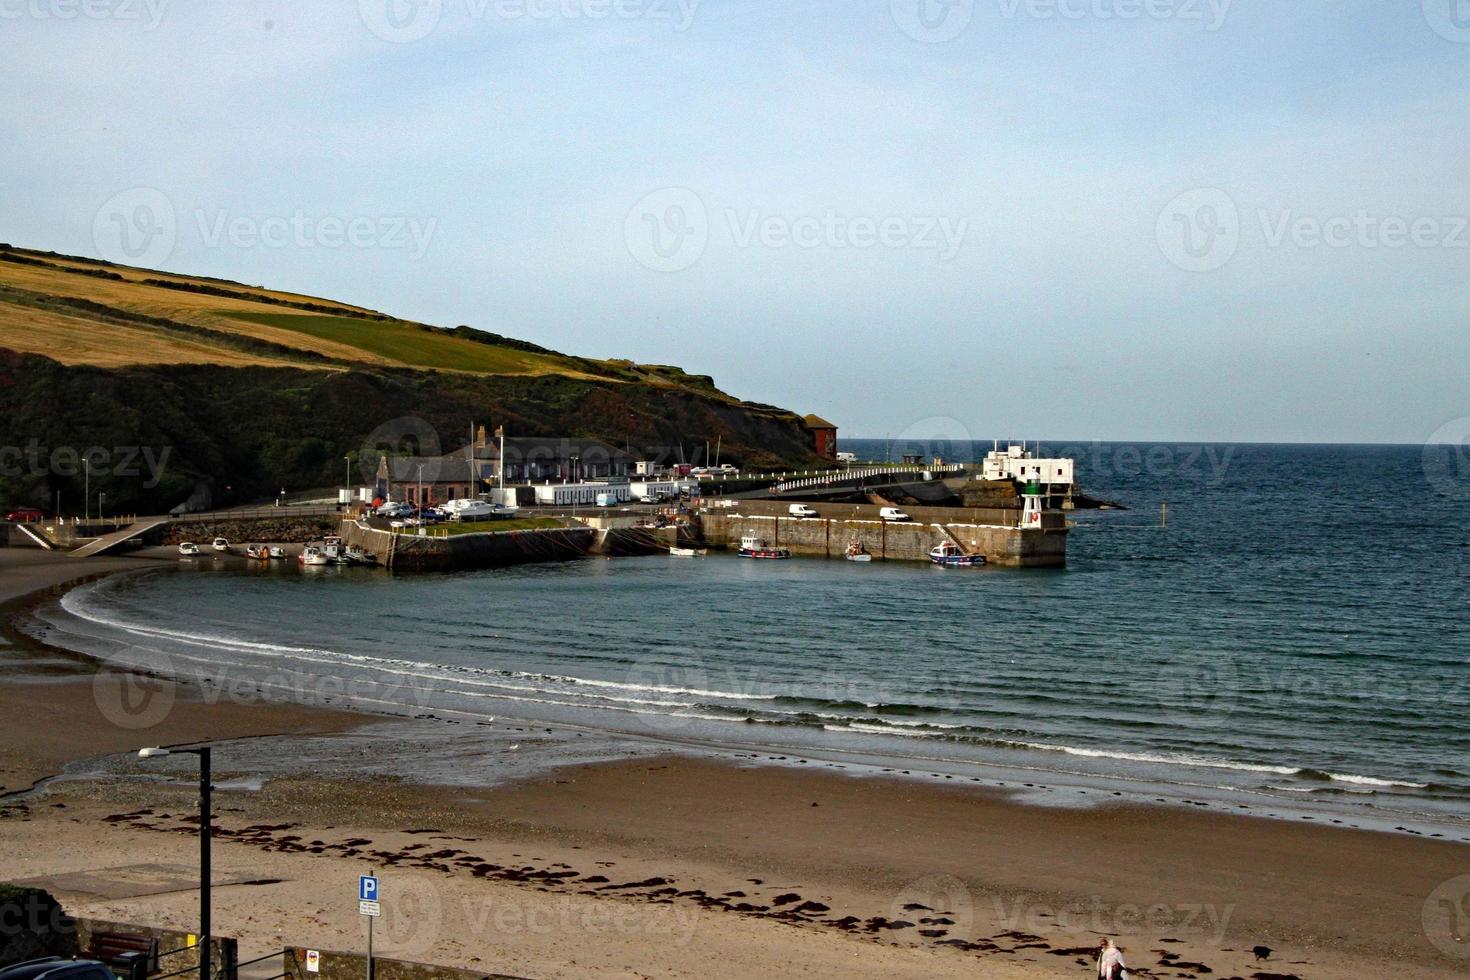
column 765, row 554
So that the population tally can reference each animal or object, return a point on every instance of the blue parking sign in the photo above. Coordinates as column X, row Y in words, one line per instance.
column 367, row 888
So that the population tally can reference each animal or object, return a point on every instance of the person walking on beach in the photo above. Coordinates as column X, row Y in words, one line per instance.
column 1110, row 965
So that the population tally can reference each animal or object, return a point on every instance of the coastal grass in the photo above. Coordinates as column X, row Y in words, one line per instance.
column 488, row 527
column 412, row 345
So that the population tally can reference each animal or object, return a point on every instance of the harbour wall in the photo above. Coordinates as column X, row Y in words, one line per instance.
column 410, row 552
column 828, row 535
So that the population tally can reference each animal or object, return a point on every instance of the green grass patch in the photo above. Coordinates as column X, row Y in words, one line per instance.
column 412, row 344
column 482, row 527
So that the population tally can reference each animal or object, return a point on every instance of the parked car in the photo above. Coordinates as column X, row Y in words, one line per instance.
column 893, row 514
column 25, row 515
column 395, row 508
column 801, row 510
column 56, row 968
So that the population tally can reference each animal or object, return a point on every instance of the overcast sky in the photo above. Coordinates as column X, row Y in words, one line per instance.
column 1059, row 219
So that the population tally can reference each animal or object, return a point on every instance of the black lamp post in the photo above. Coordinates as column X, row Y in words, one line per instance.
column 205, row 833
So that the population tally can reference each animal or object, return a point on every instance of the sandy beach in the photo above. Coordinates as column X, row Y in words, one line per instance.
column 671, row 866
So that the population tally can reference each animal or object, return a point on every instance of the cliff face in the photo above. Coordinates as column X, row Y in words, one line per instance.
column 151, row 432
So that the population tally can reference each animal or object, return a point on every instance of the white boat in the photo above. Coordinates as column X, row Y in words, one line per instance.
column 688, row 552
column 856, row 552
column 754, row 547
column 259, row 552
column 950, row 555
column 277, row 552
column 357, row 554
column 188, row 549
column 313, row 556
column 221, row 544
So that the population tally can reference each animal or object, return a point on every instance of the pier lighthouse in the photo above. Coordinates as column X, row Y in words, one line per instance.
column 1031, row 497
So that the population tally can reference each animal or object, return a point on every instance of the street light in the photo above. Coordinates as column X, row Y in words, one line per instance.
column 205, row 834
column 348, row 484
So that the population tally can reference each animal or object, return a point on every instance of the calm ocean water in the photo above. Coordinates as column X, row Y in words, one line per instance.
column 1298, row 632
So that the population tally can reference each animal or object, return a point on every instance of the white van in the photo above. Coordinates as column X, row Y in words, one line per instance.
column 801, row 510
column 893, row 514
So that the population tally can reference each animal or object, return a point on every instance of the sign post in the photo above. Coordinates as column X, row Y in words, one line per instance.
column 367, row 904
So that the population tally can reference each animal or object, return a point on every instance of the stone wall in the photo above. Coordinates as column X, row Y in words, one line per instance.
column 353, row 966
column 225, row 950
column 826, row 537
column 410, row 552
column 268, row 530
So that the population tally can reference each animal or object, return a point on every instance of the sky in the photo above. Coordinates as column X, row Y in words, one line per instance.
column 1192, row 220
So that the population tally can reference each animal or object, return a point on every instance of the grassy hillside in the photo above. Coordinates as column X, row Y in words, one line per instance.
column 86, row 311
column 250, row 390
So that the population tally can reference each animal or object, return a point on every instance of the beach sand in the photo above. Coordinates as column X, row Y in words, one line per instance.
column 671, row 866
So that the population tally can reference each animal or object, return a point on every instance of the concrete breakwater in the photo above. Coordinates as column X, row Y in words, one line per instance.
column 992, row 532
column 411, row 552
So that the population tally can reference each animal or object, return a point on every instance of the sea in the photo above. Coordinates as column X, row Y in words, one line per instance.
column 1276, row 628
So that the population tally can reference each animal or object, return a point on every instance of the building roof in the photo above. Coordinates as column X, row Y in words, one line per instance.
column 437, row 469
column 817, row 422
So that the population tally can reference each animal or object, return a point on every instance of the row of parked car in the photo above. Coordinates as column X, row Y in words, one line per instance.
column 402, row 514
column 886, row 513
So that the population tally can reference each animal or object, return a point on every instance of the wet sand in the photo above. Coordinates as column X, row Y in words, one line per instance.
column 682, row 867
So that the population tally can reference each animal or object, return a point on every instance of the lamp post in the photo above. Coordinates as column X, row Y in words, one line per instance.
column 101, row 499
column 205, row 833
column 347, row 484
column 86, row 488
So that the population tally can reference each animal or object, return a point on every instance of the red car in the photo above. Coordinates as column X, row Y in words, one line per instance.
column 25, row 515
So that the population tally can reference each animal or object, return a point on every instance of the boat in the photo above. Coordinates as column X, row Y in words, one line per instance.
column 950, row 555
column 313, row 556
column 188, row 549
column 258, row 552
column 334, row 551
column 856, row 552
column 356, row 553
column 221, row 544
column 754, row 547
column 688, row 552
column 277, row 552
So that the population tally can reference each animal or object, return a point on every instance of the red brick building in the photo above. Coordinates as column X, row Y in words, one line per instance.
column 824, row 436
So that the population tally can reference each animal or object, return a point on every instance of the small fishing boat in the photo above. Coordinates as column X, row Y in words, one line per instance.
column 277, row 552
column 221, row 544
column 336, row 553
column 188, row 549
column 754, row 547
column 313, row 556
column 688, row 552
column 856, row 552
column 258, row 552
column 950, row 555
column 356, row 553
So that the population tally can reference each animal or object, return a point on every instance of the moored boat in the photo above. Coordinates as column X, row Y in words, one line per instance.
column 754, row 547
column 277, row 552
column 688, row 552
column 188, row 549
column 258, row 552
column 950, row 555
column 313, row 556
column 857, row 552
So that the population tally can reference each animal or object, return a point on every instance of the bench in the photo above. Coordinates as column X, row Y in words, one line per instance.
column 109, row 947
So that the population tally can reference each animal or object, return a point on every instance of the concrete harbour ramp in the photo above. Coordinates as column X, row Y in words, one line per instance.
column 109, row 541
